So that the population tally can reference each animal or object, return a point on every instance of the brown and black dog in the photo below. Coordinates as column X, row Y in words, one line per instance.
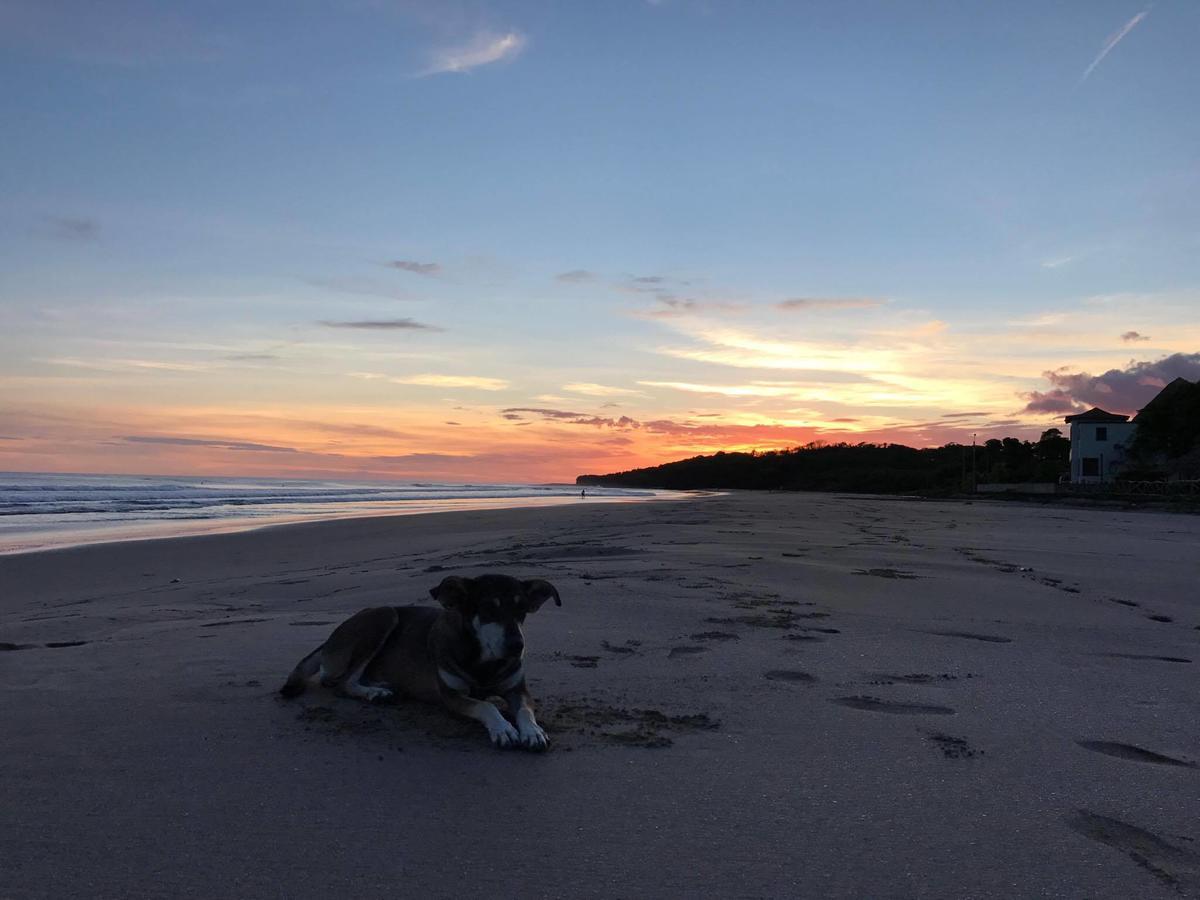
column 460, row 655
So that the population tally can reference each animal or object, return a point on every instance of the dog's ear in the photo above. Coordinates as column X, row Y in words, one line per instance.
column 538, row 592
column 452, row 593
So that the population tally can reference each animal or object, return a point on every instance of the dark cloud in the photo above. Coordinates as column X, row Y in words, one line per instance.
column 453, row 423
column 1130, row 337
column 1055, row 401
column 576, row 276
column 204, row 442
column 1117, row 390
column 843, row 420
column 963, row 415
column 571, row 418
column 382, row 325
column 71, row 228
column 419, row 268
column 799, row 303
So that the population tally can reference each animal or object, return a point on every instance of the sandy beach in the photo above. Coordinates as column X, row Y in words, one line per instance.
column 749, row 695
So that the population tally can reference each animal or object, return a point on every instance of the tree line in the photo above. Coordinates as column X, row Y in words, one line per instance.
column 859, row 468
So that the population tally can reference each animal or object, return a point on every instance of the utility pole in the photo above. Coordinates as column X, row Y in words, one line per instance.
column 974, row 478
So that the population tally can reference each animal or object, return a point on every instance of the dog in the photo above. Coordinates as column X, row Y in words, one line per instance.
column 460, row 655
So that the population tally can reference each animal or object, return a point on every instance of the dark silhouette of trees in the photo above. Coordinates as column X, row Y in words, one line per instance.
column 860, row 468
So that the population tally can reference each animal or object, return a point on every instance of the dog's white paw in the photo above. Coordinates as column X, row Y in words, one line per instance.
column 503, row 734
column 376, row 694
column 533, row 737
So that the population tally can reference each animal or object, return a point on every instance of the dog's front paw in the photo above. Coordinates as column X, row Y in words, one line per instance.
column 377, row 694
column 503, row 734
column 533, row 737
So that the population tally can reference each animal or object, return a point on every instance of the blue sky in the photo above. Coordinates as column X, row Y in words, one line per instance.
column 961, row 195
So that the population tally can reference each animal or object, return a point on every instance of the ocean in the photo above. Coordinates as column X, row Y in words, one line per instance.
column 40, row 512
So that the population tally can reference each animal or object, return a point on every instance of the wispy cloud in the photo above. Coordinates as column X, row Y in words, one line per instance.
column 382, row 325
column 454, row 381
column 1058, row 261
column 1114, row 39
column 205, row 442
column 121, row 365
column 418, row 268
column 1131, row 336
column 802, row 303
column 483, row 49
column 599, row 390
column 71, row 228
column 576, row 276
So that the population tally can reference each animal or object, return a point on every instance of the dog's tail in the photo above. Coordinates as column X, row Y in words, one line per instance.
column 298, row 680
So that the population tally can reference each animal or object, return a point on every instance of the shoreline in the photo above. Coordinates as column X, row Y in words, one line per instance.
column 53, row 539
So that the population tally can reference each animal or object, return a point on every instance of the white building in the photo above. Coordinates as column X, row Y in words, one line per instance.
column 1098, row 442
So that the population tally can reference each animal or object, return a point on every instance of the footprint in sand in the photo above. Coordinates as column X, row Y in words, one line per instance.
column 875, row 704
column 953, row 747
column 1171, row 659
column 54, row 645
column 793, row 675
column 233, row 622
column 1177, row 867
column 972, row 636
column 715, row 636
column 617, row 648
column 686, row 651
column 1134, row 753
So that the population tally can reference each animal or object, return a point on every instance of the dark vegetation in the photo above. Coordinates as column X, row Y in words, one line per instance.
column 1167, row 443
column 862, row 468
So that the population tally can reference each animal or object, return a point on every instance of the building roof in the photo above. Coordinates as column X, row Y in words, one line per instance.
column 1167, row 397
column 1096, row 414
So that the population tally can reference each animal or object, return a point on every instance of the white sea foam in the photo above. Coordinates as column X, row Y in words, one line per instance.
column 43, row 511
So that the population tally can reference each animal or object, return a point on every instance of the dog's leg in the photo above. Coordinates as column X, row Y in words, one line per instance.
column 305, row 669
column 351, row 648
column 520, row 706
column 499, row 729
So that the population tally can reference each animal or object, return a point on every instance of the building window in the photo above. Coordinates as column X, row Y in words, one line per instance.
column 1091, row 466
column 1102, row 433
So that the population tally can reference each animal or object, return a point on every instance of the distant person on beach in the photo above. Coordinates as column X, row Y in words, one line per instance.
column 583, row 493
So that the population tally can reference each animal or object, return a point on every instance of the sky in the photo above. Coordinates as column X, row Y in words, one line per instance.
column 489, row 241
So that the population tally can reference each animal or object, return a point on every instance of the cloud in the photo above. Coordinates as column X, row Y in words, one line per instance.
column 1060, row 261
column 71, row 228
column 576, row 276
column 418, row 268
column 250, row 357
column 963, row 415
column 205, row 442
column 483, row 49
column 599, row 390
column 1131, row 336
column 1117, row 390
column 677, row 307
column 121, row 365
column 1112, row 41
column 382, row 325
column 454, row 381
column 801, row 303
column 516, row 413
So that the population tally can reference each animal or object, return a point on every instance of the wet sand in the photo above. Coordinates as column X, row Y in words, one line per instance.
column 753, row 695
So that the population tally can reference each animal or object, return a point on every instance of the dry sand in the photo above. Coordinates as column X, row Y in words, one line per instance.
column 750, row 696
